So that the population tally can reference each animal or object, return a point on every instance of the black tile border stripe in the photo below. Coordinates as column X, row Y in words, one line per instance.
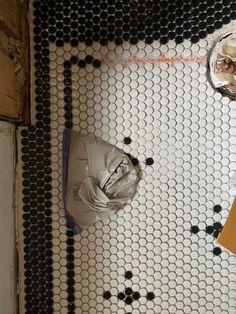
column 70, row 238
column 69, row 124
column 132, row 21
column 37, row 217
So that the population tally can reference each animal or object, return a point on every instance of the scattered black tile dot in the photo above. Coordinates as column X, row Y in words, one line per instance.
column 97, row 63
column 128, row 291
column 195, row 229
column 128, row 274
column 128, row 300
column 136, row 295
column 217, row 226
column 217, row 251
column 121, row 296
column 107, row 295
column 135, row 161
column 127, row 140
column 217, row 208
column 89, row 59
column 150, row 296
column 149, row 161
column 209, row 229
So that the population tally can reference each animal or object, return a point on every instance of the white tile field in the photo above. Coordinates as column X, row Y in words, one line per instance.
column 155, row 102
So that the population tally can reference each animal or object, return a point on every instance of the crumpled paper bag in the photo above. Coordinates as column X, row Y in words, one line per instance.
column 98, row 179
column 222, row 68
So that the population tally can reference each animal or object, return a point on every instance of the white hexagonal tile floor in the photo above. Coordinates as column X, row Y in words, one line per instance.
column 155, row 102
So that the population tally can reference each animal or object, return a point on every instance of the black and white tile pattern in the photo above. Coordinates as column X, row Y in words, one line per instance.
column 158, row 254
column 130, row 20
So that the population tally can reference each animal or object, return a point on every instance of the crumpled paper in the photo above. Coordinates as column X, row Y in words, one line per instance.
column 98, row 179
column 222, row 63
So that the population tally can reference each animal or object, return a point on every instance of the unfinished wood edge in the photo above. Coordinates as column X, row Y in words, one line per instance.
column 24, row 118
column 32, row 68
